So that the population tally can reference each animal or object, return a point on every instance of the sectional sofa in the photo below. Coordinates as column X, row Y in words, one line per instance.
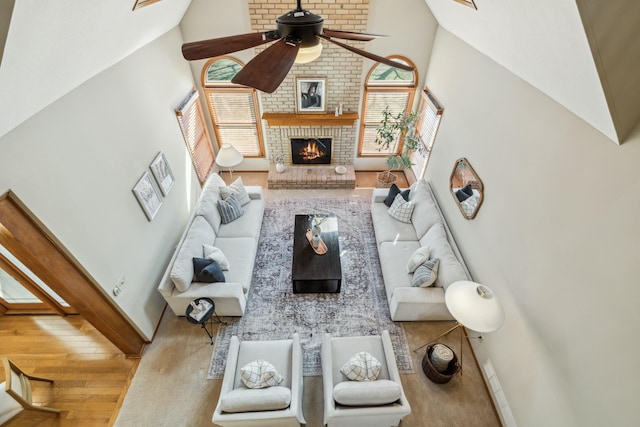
column 237, row 240
column 397, row 241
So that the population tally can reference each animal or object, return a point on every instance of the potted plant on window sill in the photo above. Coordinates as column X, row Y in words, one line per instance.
column 402, row 125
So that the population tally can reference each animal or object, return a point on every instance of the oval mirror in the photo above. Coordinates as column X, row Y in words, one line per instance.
column 466, row 188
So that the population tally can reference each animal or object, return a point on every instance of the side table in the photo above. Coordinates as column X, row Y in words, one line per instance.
column 202, row 314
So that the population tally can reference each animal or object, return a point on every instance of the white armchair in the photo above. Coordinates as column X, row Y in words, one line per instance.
column 335, row 353
column 242, row 406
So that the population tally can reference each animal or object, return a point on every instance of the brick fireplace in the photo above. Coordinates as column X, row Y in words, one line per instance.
column 343, row 72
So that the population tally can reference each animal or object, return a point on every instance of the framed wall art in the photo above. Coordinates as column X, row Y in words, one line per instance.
column 162, row 173
column 147, row 196
column 311, row 94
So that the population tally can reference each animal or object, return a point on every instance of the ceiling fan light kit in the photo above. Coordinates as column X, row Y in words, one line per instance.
column 297, row 40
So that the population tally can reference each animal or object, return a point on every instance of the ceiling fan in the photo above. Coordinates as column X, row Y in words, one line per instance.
column 297, row 40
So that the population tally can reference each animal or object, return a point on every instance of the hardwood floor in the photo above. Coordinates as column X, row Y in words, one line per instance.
column 91, row 375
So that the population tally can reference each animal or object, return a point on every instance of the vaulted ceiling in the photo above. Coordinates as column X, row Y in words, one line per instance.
column 585, row 54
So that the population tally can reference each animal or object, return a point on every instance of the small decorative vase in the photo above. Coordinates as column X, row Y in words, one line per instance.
column 280, row 167
column 315, row 232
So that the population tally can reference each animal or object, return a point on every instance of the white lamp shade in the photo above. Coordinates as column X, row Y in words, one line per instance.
column 228, row 156
column 308, row 54
column 474, row 306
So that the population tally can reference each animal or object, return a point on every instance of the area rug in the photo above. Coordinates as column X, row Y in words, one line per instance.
column 274, row 312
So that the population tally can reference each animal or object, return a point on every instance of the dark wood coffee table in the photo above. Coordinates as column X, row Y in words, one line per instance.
column 313, row 273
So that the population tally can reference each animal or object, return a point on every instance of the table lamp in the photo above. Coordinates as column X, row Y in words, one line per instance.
column 228, row 157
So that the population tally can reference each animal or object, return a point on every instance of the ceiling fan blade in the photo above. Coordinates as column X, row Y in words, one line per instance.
column 266, row 71
column 224, row 45
column 366, row 54
column 350, row 35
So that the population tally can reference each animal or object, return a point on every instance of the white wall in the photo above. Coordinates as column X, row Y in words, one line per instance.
column 75, row 162
column 556, row 239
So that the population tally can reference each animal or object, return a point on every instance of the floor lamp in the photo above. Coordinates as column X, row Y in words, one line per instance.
column 473, row 306
column 228, row 157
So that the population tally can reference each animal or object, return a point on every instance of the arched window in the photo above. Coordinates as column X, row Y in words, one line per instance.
column 233, row 108
column 385, row 86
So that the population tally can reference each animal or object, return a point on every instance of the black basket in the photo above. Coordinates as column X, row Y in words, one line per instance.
column 433, row 374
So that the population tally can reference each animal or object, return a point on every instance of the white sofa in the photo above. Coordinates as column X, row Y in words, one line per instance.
column 238, row 240
column 397, row 241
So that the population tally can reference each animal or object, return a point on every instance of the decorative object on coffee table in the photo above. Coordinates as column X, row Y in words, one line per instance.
column 474, row 306
column 200, row 312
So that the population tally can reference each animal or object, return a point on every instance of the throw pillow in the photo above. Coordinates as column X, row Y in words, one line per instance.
column 260, row 374
column 467, row 190
column 229, row 209
column 211, row 252
column 426, row 274
column 393, row 192
column 401, row 209
column 461, row 195
column 237, row 188
column 417, row 258
column 362, row 367
column 207, row 271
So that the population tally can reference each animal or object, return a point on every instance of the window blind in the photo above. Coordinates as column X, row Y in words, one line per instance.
column 196, row 137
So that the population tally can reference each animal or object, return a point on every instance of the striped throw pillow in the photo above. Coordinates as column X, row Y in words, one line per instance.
column 229, row 209
column 236, row 188
column 426, row 274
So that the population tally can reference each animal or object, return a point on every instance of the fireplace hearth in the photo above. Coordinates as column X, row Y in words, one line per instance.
column 311, row 151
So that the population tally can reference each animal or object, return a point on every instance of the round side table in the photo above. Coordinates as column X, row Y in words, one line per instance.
column 207, row 309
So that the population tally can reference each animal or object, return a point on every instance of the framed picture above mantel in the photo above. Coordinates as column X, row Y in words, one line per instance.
column 311, row 94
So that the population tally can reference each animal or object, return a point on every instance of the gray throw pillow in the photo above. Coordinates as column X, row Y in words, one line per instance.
column 229, row 209
column 426, row 274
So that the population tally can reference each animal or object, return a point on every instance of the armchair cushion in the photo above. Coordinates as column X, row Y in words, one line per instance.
column 250, row 400
column 356, row 393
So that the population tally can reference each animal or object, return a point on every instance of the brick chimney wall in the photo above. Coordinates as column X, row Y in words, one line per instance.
column 342, row 69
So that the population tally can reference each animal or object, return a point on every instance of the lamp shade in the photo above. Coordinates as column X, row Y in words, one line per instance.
column 474, row 306
column 228, row 156
column 308, row 54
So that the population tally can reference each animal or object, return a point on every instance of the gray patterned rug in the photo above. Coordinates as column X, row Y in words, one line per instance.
column 274, row 312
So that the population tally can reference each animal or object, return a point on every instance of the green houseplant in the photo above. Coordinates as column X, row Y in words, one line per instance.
column 393, row 127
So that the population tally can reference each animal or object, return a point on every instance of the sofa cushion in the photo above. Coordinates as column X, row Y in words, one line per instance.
column 242, row 250
column 229, row 209
column 417, row 258
column 260, row 374
column 425, row 213
column 401, row 209
column 207, row 271
column 248, row 225
column 211, row 252
column 362, row 367
column 182, row 271
column 426, row 274
column 450, row 269
column 250, row 400
column 393, row 259
column 236, row 188
column 372, row 393
column 393, row 192
column 208, row 203
column 388, row 229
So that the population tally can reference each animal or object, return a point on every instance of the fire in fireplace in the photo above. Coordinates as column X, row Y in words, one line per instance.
column 311, row 151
